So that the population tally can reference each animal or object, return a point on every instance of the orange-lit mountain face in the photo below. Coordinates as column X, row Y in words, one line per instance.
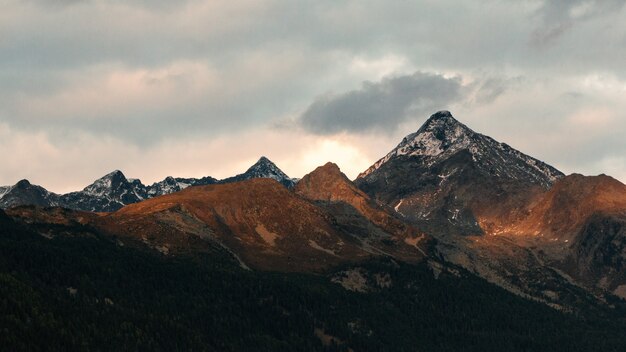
column 580, row 226
column 353, row 209
column 560, row 213
column 262, row 223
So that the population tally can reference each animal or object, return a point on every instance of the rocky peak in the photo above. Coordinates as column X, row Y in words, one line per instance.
column 330, row 169
column 443, row 126
column 23, row 184
column 328, row 183
column 263, row 168
column 442, row 136
column 25, row 193
column 167, row 186
column 107, row 183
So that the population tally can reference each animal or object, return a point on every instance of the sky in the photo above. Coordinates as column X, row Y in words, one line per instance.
column 195, row 88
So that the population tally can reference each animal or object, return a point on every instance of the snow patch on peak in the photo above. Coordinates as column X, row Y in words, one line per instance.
column 167, row 186
column 4, row 190
column 440, row 134
column 267, row 169
column 263, row 168
column 106, row 184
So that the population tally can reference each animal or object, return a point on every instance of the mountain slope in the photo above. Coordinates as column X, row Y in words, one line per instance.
column 263, row 223
column 81, row 291
column 352, row 208
column 580, row 226
column 561, row 212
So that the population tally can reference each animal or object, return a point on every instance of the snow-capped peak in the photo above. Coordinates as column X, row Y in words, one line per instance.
column 167, row 186
column 105, row 184
column 264, row 167
column 442, row 136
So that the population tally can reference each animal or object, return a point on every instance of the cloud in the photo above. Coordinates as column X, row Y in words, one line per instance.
column 135, row 75
column 395, row 101
column 76, row 161
column 559, row 16
column 381, row 105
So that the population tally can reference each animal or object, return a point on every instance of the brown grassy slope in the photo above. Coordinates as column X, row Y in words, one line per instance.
column 266, row 225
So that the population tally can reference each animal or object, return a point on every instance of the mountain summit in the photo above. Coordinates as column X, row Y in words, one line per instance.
column 263, row 168
column 23, row 192
column 442, row 136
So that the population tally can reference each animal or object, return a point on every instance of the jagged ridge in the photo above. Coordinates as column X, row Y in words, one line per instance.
column 113, row 191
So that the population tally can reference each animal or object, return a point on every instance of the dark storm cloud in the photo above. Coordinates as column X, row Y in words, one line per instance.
column 381, row 105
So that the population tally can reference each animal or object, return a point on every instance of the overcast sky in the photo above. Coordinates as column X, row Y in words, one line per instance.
column 196, row 88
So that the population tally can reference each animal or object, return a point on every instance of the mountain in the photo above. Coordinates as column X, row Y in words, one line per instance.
column 263, row 168
column 353, row 209
column 108, row 193
column 447, row 177
column 509, row 218
column 113, row 191
column 24, row 192
column 444, row 195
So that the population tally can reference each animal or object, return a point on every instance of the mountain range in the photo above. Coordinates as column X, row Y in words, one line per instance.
column 446, row 198
column 113, row 191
